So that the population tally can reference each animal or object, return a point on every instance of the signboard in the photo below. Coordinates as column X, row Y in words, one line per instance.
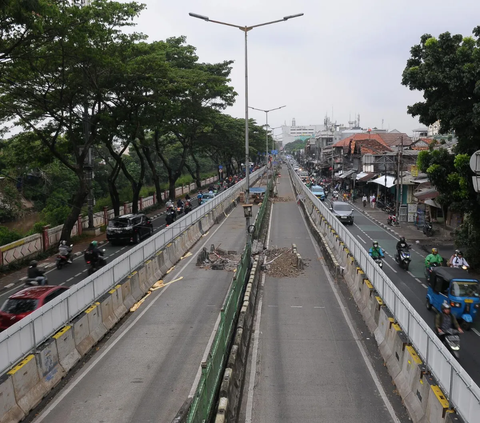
column 475, row 162
column 414, row 170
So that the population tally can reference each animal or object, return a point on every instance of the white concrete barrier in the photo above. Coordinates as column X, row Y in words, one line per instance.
column 128, row 299
column 118, row 305
column 9, row 410
column 81, row 334
column 95, row 324
column 50, row 370
column 142, row 279
column 105, row 304
column 68, row 355
column 29, row 389
column 437, row 405
column 137, row 290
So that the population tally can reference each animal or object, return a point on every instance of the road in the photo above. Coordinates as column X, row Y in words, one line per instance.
column 77, row 271
column 412, row 284
column 146, row 370
column 309, row 361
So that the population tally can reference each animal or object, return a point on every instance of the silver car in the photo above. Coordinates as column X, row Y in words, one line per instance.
column 342, row 211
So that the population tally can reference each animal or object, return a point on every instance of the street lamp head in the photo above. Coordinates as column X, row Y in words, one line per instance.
column 286, row 18
column 194, row 15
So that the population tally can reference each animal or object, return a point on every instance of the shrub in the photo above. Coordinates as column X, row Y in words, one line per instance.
column 7, row 236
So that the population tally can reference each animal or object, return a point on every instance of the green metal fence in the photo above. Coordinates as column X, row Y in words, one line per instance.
column 212, row 369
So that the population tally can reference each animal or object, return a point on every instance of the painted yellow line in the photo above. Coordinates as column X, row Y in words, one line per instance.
column 186, row 255
column 21, row 364
column 205, row 234
column 160, row 284
column 137, row 305
column 169, row 270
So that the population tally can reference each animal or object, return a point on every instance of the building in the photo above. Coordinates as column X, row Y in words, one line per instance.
column 295, row 132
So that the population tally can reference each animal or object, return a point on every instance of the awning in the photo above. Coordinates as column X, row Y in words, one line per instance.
column 381, row 181
column 347, row 174
column 364, row 177
column 420, row 180
column 433, row 203
column 426, row 194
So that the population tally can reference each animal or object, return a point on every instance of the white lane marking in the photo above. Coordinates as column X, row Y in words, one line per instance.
column 475, row 331
column 355, row 336
column 9, row 285
column 418, row 280
column 63, row 283
column 361, row 239
column 272, row 305
column 318, row 307
column 393, row 270
column 84, row 270
column 78, row 274
column 77, row 380
column 256, row 335
column 69, row 279
column 296, row 306
column 411, row 274
column 425, row 286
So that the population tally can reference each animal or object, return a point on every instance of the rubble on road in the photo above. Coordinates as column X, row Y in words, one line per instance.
column 281, row 263
column 282, row 199
column 218, row 259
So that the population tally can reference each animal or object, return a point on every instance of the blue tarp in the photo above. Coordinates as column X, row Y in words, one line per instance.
column 258, row 190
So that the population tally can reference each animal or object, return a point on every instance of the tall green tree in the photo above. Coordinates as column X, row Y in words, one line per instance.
column 47, row 87
column 447, row 71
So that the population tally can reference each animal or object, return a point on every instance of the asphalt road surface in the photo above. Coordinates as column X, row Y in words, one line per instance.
column 309, row 362
column 77, row 271
column 413, row 285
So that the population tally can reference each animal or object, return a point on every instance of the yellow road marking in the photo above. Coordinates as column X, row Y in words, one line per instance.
column 159, row 284
column 169, row 270
column 186, row 255
column 135, row 306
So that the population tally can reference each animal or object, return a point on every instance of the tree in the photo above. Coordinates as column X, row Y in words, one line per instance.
column 46, row 87
column 447, row 71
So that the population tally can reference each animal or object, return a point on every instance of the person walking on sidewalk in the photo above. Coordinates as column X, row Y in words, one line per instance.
column 372, row 201
column 364, row 200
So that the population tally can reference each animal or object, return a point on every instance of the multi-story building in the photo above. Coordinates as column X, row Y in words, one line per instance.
column 295, row 132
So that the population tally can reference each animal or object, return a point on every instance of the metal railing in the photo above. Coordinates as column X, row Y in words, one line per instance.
column 27, row 334
column 460, row 388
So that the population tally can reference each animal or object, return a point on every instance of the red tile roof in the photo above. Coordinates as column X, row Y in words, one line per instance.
column 363, row 143
column 393, row 139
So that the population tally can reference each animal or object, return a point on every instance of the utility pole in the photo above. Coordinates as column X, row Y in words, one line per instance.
column 401, row 176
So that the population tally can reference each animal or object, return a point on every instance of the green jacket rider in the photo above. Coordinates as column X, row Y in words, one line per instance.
column 434, row 257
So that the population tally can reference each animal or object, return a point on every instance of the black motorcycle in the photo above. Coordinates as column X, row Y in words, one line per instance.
column 403, row 258
column 180, row 208
column 62, row 260
column 188, row 207
column 94, row 263
column 428, row 270
column 170, row 216
column 428, row 229
column 452, row 341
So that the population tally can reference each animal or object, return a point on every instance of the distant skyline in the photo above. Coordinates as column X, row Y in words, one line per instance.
column 346, row 55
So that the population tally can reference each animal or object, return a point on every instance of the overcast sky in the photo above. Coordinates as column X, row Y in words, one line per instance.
column 343, row 55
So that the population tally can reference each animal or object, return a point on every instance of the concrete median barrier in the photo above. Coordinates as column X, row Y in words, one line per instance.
column 106, row 311
column 396, row 343
column 28, row 387
column 50, row 370
column 412, row 372
column 95, row 324
column 160, row 257
column 10, row 412
column 128, row 299
column 142, row 280
column 81, row 334
column 376, row 304
column 68, row 355
column 119, row 308
column 385, row 319
column 368, row 298
column 437, row 405
column 137, row 291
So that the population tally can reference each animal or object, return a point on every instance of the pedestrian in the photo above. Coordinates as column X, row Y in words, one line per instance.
column 364, row 200
column 372, row 201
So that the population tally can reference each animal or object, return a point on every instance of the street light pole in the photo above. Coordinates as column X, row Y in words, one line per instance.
column 245, row 29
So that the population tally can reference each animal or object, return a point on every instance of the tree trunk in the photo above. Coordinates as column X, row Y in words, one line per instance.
column 137, row 185
column 156, row 179
column 114, row 195
column 77, row 204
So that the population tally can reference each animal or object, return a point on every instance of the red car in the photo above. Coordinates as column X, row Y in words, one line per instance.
column 27, row 301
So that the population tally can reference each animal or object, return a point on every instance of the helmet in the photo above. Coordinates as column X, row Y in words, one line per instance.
column 375, row 243
column 459, row 253
column 445, row 306
column 434, row 251
column 94, row 243
column 33, row 263
column 402, row 239
column 63, row 242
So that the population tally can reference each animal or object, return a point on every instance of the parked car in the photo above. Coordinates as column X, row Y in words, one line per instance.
column 318, row 192
column 207, row 197
column 129, row 228
column 26, row 301
column 342, row 211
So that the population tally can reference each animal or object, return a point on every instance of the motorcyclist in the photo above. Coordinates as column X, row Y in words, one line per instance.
column 169, row 203
column 457, row 260
column 199, row 197
column 402, row 245
column 434, row 257
column 34, row 273
column 180, row 203
column 445, row 321
column 376, row 251
column 93, row 252
column 65, row 250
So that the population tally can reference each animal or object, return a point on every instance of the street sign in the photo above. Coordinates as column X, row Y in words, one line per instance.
column 220, row 167
column 475, row 162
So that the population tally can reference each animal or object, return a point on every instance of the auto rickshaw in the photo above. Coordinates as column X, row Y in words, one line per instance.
column 457, row 288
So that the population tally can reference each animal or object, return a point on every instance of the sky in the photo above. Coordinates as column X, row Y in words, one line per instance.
column 341, row 59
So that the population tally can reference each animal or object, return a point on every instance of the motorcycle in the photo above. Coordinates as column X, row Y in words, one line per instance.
column 95, row 264
column 188, row 207
column 392, row 220
column 403, row 259
column 452, row 341
column 180, row 209
column 379, row 262
column 62, row 260
column 429, row 269
column 34, row 282
column 170, row 216
column 428, row 229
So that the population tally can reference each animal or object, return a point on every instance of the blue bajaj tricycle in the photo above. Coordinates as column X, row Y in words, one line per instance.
column 458, row 289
